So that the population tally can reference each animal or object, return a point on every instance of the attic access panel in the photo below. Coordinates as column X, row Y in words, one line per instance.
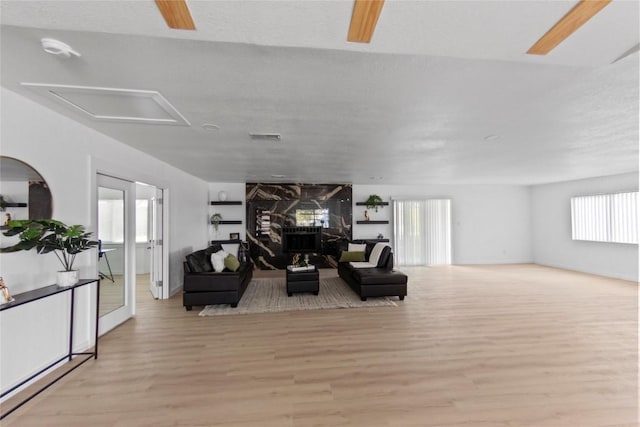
column 114, row 104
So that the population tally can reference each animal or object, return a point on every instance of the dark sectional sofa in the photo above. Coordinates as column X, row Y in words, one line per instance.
column 378, row 281
column 203, row 286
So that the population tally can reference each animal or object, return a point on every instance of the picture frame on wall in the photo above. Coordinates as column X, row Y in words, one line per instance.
column 234, row 236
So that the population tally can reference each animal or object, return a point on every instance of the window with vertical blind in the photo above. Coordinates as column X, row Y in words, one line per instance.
column 605, row 218
column 422, row 232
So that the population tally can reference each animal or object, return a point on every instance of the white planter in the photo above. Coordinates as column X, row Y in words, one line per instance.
column 222, row 196
column 67, row 278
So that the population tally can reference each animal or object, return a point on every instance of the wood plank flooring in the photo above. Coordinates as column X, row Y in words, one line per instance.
column 486, row 346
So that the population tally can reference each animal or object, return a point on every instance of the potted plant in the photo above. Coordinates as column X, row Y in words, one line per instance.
column 374, row 201
column 49, row 235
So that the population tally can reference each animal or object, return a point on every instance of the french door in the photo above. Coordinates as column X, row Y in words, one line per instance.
column 116, row 254
column 156, row 242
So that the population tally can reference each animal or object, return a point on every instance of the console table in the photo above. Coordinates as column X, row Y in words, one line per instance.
column 37, row 294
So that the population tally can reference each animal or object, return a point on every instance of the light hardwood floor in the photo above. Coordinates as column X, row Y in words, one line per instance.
column 513, row 345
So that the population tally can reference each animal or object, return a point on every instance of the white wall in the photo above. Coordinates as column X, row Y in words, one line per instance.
column 491, row 224
column 552, row 243
column 66, row 153
column 236, row 191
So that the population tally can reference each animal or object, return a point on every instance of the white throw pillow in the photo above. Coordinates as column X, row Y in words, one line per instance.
column 356, row 247
column 217, row 260
column 376, row 252
column 231, row 248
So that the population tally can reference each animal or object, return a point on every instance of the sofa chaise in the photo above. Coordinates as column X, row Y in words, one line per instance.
column 375, row 277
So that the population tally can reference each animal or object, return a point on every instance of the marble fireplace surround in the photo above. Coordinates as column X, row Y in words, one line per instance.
column 272, row 206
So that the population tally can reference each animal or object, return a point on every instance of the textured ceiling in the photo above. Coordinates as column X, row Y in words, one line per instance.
column 413, row 106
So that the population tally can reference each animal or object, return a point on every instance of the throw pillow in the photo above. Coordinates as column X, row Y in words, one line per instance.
column 356, row 247
column 376, row 252
column 231, row 248
column 217, row 260
column 347, row 256
column 232, row 263
column 384, row 256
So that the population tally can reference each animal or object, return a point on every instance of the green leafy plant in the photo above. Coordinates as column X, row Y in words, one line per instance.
column 374, row 202
column 50, row 235
column 215, row 220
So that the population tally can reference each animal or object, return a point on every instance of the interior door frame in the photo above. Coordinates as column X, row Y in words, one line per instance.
column 99, row 165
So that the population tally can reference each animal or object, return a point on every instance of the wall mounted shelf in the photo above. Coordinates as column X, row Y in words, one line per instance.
column 372, row 222
column 15, row 205
column 227, row 203
column 230, row 222
column 365, row 204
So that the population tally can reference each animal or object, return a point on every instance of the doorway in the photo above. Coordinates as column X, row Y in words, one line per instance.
column 131, row 258
column 149, row 241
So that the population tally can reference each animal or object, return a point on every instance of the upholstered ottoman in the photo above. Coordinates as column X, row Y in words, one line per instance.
column 376, row 282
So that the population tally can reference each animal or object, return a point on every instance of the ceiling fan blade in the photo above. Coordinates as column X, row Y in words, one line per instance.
column 176, row 13
column 364, row 19
column 581, row 13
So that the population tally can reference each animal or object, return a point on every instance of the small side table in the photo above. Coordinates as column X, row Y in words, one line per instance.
column 303, row 281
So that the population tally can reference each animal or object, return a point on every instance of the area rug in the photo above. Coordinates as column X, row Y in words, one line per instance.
column 270, row 295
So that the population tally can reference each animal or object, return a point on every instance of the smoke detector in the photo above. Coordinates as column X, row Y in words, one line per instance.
column 56, row 47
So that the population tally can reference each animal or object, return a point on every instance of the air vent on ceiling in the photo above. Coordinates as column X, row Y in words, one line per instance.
column 275, row 137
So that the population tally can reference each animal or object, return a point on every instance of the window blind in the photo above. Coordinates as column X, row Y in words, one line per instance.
column 605, row 218
column 422, row 231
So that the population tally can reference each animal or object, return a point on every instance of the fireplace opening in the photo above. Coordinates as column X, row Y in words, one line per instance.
column 301, row 240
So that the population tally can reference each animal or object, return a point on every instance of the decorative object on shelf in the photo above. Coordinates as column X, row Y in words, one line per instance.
column 3, row 203
column 297, row 262
column 215, row 220
column 222, row 196
column 380, row 236
column 50, row 235
column 5, row 296
column 366, row 216
column 234, row 236
column 374, row 202
column 7, row 218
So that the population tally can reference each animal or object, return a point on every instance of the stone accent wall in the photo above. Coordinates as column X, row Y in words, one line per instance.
column 272, row 206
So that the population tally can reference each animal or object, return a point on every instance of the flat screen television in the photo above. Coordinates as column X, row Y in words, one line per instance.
column 296, row 240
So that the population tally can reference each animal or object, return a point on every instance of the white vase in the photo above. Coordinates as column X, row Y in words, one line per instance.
column 67, row 278
column 222, row 196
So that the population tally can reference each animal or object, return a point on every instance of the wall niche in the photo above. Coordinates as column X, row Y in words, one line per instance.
column 270, row 207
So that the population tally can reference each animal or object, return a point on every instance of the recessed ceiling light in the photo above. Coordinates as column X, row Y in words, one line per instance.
column 56, row 47
column 210, row 127
column 277, row 176
column 491, row 137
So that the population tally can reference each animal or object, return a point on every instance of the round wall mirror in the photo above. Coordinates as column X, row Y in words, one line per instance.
column 24, row 194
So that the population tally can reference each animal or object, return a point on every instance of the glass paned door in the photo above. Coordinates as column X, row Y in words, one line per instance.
column 116, row 236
